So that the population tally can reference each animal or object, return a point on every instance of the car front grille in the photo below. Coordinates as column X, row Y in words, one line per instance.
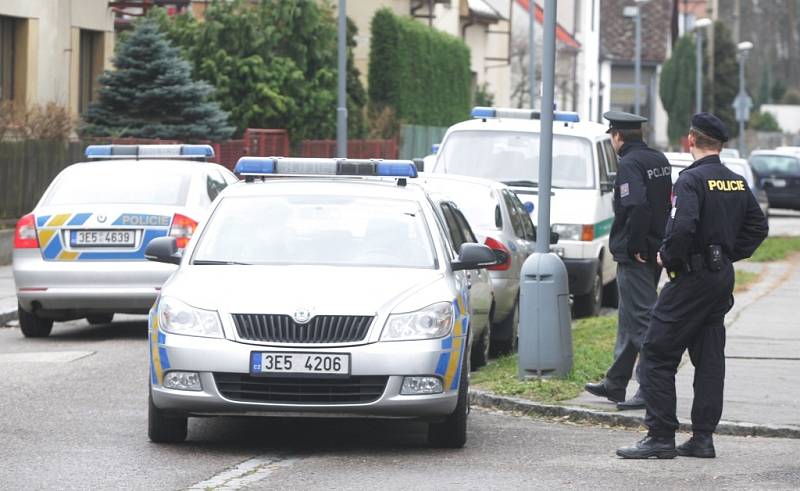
column 277, row 328
column 283, row 390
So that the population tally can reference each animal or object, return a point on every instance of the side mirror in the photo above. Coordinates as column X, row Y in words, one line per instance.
column 606, row 187
column 420, row 164
column 474, row 256
column 554, row 238
column 529, row 206
column 163, row 250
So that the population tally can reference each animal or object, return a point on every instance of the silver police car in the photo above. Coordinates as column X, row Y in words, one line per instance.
column 332, row 292
column 503, row 223
column 80, row 252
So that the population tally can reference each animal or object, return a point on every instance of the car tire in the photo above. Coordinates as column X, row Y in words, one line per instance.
column 480, row 349
column 452, row 432
column 165, row 429
column 98, row 319
column 589, row 305
column 33, row 326
column 509, row 325
column 611, row 295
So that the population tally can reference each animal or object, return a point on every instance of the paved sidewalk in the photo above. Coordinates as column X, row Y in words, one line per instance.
column 762, row 354
column 8, row 296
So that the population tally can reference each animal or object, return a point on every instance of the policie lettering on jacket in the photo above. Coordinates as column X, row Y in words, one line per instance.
column 719, row 199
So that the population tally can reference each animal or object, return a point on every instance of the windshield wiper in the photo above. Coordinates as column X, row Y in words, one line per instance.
column 207, row 262
column 527, row 184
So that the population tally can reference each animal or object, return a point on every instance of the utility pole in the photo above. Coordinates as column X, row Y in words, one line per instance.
column 532, row 47
column 546, row 133
column 341, row 110
column 699, row 25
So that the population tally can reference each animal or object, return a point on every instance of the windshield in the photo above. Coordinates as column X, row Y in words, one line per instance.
column 513, row 158
column 317, row 230
column 112, row 183
column 478, row 203
column 771, row 164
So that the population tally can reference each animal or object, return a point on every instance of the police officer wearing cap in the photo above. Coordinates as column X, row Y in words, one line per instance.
column 715, row 221
column 641, row 208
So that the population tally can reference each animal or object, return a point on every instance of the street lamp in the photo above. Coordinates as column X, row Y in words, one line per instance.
column 699, row 25
column 635, row 12
column 742, row 101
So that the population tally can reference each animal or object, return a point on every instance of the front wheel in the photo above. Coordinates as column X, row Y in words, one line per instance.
column 33, row 326
column 162, row 428
column 588, row 305
column 452, row 432
column 611, row 295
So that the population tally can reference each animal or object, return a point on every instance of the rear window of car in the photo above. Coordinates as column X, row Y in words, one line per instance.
column 767, row 164
column 317, row 230
column 119, row 184
column 478, row 203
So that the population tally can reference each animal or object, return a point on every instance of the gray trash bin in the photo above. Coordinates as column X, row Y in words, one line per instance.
column 545, row 335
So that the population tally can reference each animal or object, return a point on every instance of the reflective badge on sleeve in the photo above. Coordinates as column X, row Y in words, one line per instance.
column 624, row 190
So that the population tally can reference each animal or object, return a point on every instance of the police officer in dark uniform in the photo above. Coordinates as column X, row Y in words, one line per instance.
column 715, row 221
column 641, row 207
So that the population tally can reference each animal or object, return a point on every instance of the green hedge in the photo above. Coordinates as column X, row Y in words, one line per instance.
column 422, row 73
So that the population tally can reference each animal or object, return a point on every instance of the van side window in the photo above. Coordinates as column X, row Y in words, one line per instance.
column 611, row 159
column 602, row 163
column 514, row 212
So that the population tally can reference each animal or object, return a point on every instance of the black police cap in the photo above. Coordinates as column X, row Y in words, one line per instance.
column 619, row 120
column 710, row 125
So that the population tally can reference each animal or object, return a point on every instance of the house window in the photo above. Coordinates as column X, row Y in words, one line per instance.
column 7, row 25
column 91, row 66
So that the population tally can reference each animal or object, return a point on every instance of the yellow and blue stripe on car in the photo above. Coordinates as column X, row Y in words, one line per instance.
column 159, row 359
column 51, row 241
column 454, row 346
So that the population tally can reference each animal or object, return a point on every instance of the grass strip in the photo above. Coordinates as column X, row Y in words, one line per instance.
column 776, row 249
column 744, row 279
column 593, row 347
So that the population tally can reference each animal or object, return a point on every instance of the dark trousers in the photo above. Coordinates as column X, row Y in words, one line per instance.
column 637, row 283
column 690, row 313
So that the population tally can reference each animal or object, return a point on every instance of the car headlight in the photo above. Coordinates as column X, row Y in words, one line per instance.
column 434, row 321
column 573, row 231
column 176, row 317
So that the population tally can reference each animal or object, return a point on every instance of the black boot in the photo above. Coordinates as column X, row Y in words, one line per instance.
column 600, row 389
column 699, row 445
column 650, row 446
column 635, row 402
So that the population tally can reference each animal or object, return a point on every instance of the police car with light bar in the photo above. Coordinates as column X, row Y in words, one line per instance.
column 316, row 287
column 503, row 144
column 80, row 252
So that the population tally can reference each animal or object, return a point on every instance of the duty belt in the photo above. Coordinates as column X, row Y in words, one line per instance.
column 697, row 262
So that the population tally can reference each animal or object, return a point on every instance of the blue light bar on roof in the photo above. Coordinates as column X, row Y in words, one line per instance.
column 483, row 112
column 149, row 151
column 255, row 166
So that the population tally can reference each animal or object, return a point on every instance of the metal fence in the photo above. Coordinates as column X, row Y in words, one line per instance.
column 417, row 140
column 26, row 169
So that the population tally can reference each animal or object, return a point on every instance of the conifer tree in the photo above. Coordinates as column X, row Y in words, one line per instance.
column 151, row 94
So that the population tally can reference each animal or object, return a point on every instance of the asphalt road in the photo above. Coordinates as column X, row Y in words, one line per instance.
column 73, row 416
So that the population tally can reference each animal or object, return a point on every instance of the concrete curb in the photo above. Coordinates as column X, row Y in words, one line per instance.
column 572, row 413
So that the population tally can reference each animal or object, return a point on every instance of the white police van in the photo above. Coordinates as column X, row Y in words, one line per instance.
column 503, row 144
